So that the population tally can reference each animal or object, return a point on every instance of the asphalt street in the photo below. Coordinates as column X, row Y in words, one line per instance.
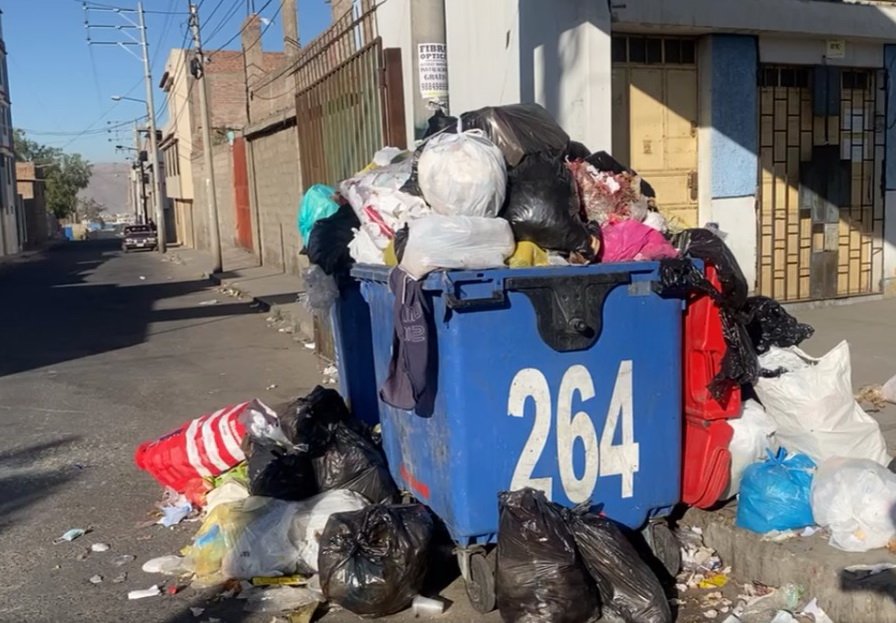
column 100, row 351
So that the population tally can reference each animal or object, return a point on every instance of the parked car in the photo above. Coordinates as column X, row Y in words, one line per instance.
column 139, row 237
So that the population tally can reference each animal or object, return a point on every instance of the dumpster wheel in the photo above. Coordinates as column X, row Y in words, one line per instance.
column 480, row 584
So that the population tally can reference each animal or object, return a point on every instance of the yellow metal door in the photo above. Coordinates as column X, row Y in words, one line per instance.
column 655, row 118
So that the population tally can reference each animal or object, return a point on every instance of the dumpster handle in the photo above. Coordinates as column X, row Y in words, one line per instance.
column 455, row 302
column 569, row 310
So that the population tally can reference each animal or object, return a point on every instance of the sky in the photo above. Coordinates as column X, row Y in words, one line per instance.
column 61, row 87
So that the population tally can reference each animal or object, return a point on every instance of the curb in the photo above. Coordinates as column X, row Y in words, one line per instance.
column 808, row 562
column 265, row 305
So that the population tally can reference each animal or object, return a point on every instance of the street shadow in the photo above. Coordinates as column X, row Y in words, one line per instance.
column 54, row 312
column 21, row 489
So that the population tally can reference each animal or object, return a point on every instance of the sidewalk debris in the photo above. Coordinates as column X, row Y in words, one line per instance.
column 121, row 577
column 208, row 302
column 167, row 565
column 424, row 606
column 96, row 579
column 99, row 547
column 70, row 535
column 123, row 559
column 152, row 591
column 869, row 570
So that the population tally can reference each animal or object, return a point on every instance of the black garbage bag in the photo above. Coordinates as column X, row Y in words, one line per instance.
column 539, row 575
column 329, row 238
column 306, row 419
column 628, row 587
column 543, row 206
column 519, row 130
column 602, row 161
column 350, row 460
column 577, row 151
column 440, row 122
column 740, row 365
column 278, row 472
column 400, row 242
column 770, row 325
column 373, row 562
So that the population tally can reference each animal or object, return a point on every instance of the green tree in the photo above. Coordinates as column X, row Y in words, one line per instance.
column 65, row 174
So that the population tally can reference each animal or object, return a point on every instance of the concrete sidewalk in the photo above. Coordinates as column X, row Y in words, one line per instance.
column 272, row 289
column 870, row 329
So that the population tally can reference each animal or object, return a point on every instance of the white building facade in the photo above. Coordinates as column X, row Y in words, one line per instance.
column 775, row 119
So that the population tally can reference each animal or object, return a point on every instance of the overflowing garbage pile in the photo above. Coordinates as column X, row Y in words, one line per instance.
column 499, row 186
column 297, row 508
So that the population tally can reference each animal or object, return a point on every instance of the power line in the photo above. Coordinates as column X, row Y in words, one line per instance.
column 263, row 30
column 224, row 21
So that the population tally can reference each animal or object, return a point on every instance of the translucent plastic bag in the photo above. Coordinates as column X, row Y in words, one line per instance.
column 855, row 499
column 775, row 494
column 262, row 536
column 317, row 203
column 815, row 410
column 754, row 435
column 470, row 242
column 462, row 175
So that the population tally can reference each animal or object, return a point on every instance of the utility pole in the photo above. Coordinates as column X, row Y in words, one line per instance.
column 429, row 59
column 153, row 139
column 197, row 68
column 147, row 75
column 135, row 188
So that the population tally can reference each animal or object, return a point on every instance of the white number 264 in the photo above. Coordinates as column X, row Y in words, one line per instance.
column 604, row 458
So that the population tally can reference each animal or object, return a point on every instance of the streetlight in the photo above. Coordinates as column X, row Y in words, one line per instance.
column 154, row 151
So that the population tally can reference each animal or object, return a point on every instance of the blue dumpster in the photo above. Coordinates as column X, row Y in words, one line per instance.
column 565, row 379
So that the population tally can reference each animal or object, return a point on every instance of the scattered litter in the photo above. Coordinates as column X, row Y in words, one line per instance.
column 197, row 612
column 152, row 591
column 96, row 579
column 280, row 599
column 712, row 613
column 310, row 345
column 286, row 329
column 121, row 577
column 70, row 535
column 869, row 570
column 83, row 555
column 782, row 616
column 142, row 278
column 715, row 580
column 809, row 531
column 175, row 511
column 167, row 565
column 814, row 610
column 174, row 587
column 120, row 561
column 271, row 386
column 99, row 547
column 283, row 580
column 871, row 398
column 779, row 536
column 427, row 607
column 208, row 302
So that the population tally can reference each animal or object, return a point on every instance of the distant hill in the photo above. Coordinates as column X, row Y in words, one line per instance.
column 109, row 186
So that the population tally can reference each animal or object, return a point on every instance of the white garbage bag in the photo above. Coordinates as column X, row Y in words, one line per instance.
column 814, row 410
column 469, row 242
column 463, row 174
column 888, row 391
column 754, row 435
column 309, row 524
column 855, row 499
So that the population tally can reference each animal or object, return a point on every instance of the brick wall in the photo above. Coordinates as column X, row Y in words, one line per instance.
column 224, row 183
column 278, row 190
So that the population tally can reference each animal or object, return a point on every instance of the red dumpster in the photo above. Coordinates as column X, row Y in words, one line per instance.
column 707, row 460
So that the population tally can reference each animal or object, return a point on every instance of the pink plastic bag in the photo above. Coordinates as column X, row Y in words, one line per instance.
column 624, row 241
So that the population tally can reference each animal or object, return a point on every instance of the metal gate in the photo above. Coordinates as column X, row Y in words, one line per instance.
column 820, row 201
column 241, row 194
column 349, row 104
column 349, row 100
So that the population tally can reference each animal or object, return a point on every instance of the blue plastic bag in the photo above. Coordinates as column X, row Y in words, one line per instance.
column 776, row 493
column 317, row 203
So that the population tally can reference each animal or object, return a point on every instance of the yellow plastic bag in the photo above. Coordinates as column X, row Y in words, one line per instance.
column 528, row 254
